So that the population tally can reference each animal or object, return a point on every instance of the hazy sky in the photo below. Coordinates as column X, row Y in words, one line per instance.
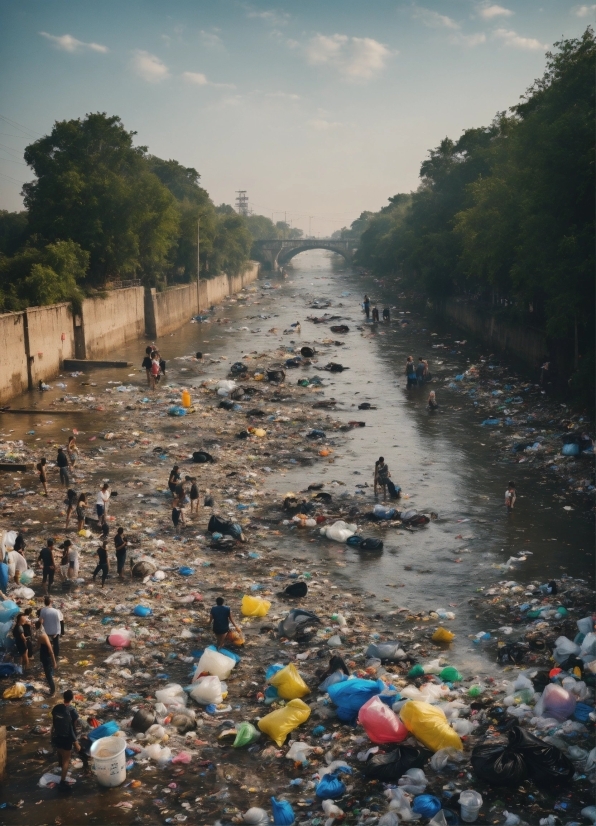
column 319, row 108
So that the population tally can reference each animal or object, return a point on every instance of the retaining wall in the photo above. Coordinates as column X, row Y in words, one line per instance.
column 50, row 340
column 165, row 312
column 13, row 375
column 109, row 322
column 526, row 343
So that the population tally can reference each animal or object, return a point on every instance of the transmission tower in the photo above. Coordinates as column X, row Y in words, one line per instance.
column 242, row 202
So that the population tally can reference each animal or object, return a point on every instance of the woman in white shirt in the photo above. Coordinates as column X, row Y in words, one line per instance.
column 101, row 503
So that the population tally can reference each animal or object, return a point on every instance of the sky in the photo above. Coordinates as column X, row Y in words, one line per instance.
column 319, row 109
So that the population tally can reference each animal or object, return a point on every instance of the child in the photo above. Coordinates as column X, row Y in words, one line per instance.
column 510, row 497
column 194, row 494
column 41, row 469
column 222, row 617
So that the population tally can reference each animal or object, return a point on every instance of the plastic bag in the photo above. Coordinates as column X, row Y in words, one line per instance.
column 413, row 782
column 207, row 690
column 339, row 531
column 330, row 787
column 171, row 694
column 389, row 767
column 555, row 702
column 256, row 817
column 254, row 606
column 283, row 814
column 450, row 675
column 336, row 677
column 215, row 663
column 429, row 725
column 15, row 692
column 389, row 651
column 105, row 730
column 281, row 722
column 289, row 683
column 299, row 751
column 381, row 512
column 120, row 638
column 8, row 610
column 444, row 758
column 426, row 805
column 23, row 593
column 246, row 734
column 142, row 611
column 380, row 723
column 297, row 621
column 351, row 695
column 442, row 635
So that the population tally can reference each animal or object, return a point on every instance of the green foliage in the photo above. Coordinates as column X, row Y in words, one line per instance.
column 14, row 230
column 34, row 277
column 232, row 243
column 356, row 228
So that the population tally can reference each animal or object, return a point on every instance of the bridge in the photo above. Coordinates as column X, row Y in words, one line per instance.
column 274, row 254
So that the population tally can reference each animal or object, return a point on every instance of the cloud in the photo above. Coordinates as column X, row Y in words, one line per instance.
column 460, row 39
column 322, row 125
column 199, row 79
column 434, row 20
column 68, row 43
column 584, row 11
column 273, row 17
column 490, row 12
column 210, row 39
column 149, row 67
column 511, row 38
column 283, row 95
column 357, row 58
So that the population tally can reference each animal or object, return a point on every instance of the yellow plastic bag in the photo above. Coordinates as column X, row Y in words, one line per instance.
column 254, row 606
column 235, row 638
column 15, row 692
column 280, row 723
column 442, row 635
column 429, row 725
column 289, row 683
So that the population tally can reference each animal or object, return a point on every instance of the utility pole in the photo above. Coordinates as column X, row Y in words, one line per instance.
column 286, row 224
column 198, row 265
column 242, row 202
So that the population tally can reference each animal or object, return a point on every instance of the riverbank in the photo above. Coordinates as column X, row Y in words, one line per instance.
column 134, row 442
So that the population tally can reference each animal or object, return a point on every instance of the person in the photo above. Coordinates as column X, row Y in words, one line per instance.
column 386, row 314
column 162, row 365
column 121, row 544
column 199, row 356
column 72, row 450
column 410, row 372
column 20, row 640
column 174, row 479
column 178, row 512
column 46, row 656
column 147, row 364
column 102, row 563
column 27, row 631
column 367, row 306
column 64, row 560
column 65, row 722
column 41, row 469
column 420, row 371
column 432, row 401
column 62, row 462
column 81, row 508
column 154, row 370
column 510, row 497
column 46, row 557
column 381, row 476
column 17, row 564
column 426, row 375
column 194, row 494
column 20, row 544
column 222, row 617
column 71, row 503
column 375, row 313
column 51, row 619
column 101, row 503
column 73, row 560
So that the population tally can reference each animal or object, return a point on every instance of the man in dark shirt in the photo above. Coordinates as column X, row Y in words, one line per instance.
column 46, row 557
column 147, row 363
column 222, row 617
column 64, row 736
column 62, row 462
column 121, row 543
column 102, row 562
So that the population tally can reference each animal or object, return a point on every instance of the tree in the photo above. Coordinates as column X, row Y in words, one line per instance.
column 14, row 231
column 35, row 277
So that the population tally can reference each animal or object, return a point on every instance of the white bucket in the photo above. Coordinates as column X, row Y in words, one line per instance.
column 109, row 760
column 470, row 803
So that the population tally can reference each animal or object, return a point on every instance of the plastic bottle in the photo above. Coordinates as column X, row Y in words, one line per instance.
column 186, row 400
column 470, row 802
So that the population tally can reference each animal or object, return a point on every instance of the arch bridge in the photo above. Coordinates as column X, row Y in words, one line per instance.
column 274, row 254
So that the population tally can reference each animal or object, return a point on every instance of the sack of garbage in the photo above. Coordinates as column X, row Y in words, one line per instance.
column 523, row 756
column 254, row 606
column 296, row 623
column 389, row 767
column 256, row 817
column 296, row 590
column 207, row 690
column 330, row 787
column 120, row 638
column 8, row 610
column 289, row 683
column 351, row 695
column 15, row 692
column 380, row 723
column 429, row 725
column 144, row 567
column 339, row 531
column 279, row 723
column 215, row 663
column 246, row 734
column 556, row 702
column 385, row 651
column 564, row 648
column 283, row 814
column 381, row 512
column 218, row 525
column 225, row 386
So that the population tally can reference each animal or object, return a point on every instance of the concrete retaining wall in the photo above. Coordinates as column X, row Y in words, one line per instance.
column 524, row 342
column 109, row 322
column 51, row 340
column 165, row 312
column 213, row 290
column 13, row 375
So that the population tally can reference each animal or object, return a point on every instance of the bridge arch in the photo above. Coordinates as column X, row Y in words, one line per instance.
column 276, row 253
column 286, row 255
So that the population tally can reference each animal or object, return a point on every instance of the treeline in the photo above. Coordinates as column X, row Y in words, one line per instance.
column 505, row 215
column 102, row 210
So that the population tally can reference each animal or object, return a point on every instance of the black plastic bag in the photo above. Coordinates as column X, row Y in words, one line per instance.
column 143, row 719
column 389, row 767
column 499, row 765
column 201, row 456
column 218, row 525
column 296, row 589
column 237, row 368
column 547, row 765
column 371, row 544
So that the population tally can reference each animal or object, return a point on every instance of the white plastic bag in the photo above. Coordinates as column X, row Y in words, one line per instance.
column 171, row 694
column 207, row 690
column 339, row 531
column 299, row 751
column 214, row 663
column 256, row 817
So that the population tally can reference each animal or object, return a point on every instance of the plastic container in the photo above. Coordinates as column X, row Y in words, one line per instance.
column 186, row 400
column 470, row 802
column 109, row 761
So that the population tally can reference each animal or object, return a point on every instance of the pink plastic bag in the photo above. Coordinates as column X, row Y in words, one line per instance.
column 182, row 757
column 380, row 723
column 555, row 702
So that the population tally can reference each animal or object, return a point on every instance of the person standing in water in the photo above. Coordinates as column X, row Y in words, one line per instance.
column 386, row 314
column 432, row 401
column 510, row 497
column 222, row 617
column 375, row 313
column 381, row 477
column 146, row 363
column 366, row 305
column 410, row 373
column 43, row 477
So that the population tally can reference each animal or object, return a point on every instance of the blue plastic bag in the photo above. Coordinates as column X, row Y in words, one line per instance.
column 283, row 814
column 142, row 611
column 176, row 411
column 426, row 805
column 105, row 730
column 225, row 652
column 570, row 450
column 4, row 581
column 351, row 695
column 273, row 669
column 330, row 787
column 8, row 608
column 491, row 422
column 185, row 571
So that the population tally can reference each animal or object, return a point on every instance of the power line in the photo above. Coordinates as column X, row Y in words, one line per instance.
column 8, row 178
column 15, row 123
column 10, row 160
